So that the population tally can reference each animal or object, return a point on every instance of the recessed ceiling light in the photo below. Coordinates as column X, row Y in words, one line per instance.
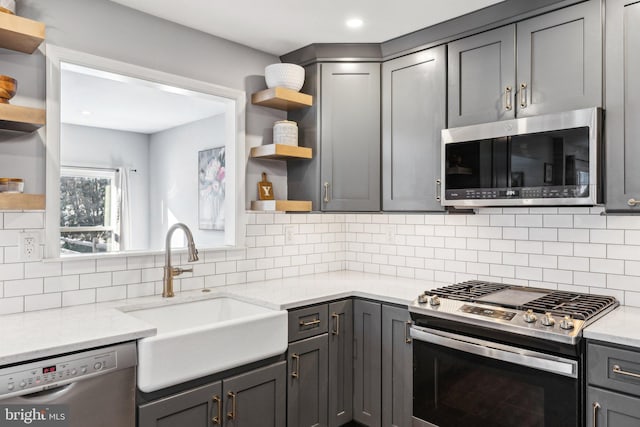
column 85, row 112
column 354, row 23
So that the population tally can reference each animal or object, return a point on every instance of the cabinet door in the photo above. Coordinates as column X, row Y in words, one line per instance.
column 256, row 398
column 340, row 363
column 307, row 382
column 622, row 104
column 413, row 109
column 350, row 133
column 199, row 407
column 367, row 362
column 559, row 65
column 482, row 73
column 397, row 367
column 611, row 409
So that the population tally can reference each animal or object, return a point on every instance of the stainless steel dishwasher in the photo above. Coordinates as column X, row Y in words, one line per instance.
column 89, row 388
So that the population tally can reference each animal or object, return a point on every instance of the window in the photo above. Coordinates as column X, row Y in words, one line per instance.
column 88, row 210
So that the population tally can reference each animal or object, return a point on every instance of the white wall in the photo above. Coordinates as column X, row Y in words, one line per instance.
column 107, row 148
column 173, row 164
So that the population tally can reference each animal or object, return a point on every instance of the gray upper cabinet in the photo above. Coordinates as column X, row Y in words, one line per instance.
column 340, row 363
column 622, row 105
column 559, row 60
column 350, row 130
column 555, row 66
column 413, row 111
column 482, row 73
column 343, row 129
column 397, row 367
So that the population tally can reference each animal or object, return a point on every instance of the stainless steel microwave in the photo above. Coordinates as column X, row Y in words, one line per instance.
column 544, row 160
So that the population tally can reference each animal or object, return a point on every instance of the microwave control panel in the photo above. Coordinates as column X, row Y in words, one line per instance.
column 549, row 192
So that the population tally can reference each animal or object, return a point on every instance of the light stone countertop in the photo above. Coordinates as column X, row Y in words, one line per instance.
column 618, row 327
column 32, row 335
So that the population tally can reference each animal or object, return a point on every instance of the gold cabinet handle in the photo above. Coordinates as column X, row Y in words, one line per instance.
column 523, row 95
column 507, row 98
column 218, row 401
column 232, row 415
column 336, row 317
column 596, row 406
column 407, row 333
column 618, row 370
column 296, row 372
column 633, row 202
column 326, row 192
column 311, row 323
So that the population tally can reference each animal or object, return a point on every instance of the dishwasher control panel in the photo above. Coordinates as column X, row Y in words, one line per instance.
column 48, row 373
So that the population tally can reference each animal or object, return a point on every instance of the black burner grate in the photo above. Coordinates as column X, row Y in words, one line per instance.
column 469, row 290
column 577, row 305
column 560, row 303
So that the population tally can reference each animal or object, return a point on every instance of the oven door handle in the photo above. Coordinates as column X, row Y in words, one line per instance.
column 531, row 359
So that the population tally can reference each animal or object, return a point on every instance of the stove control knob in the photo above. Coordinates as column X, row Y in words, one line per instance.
column 529, row 316
column 434, row 301
column 423, row 298
column 566, row 323
column 547, row 319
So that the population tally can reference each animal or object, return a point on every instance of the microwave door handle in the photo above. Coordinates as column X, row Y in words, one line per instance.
column 505, row 353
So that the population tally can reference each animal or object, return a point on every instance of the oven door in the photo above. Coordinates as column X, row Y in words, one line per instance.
column 464, row 381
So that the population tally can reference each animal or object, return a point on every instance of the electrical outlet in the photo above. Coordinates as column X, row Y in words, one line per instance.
column 289, row 234
column 29, row 246
column 389, row 234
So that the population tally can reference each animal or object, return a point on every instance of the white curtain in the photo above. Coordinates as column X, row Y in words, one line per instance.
column 125, row 208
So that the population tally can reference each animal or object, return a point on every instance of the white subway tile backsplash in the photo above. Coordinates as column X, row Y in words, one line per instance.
column 17, row 220
column 549, row 247
column 85, row 296
column 17, row 288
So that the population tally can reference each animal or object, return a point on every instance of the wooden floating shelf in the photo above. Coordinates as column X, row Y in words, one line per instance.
column 20, row 34
column 282, row 99
column 21, row 202
column 21, row 119
column 281, row 152
column 281, row 205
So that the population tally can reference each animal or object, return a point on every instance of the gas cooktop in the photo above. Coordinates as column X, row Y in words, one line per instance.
column 542, row 313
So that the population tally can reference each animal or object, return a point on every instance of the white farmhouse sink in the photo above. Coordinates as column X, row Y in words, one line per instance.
column 200, row 338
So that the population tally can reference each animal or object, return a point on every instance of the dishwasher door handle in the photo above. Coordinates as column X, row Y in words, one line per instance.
column 45, row 396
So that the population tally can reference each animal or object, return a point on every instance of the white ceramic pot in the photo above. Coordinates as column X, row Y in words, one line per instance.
column 285, row 132
column 290, row 76
column 9, row 5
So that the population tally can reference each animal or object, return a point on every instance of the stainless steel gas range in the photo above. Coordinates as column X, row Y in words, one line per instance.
column 490, row 354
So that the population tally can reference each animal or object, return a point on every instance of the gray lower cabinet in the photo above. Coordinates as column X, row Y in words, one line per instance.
column 413, row 115
column 367, row 362
column 343, row 129
column 320, row 377
column 613, row 393
column 611, row 409
column 397, row 367
column 546, row 64
column 340, row 362
column 257, row 397
column 307, row 382
column 622, row 103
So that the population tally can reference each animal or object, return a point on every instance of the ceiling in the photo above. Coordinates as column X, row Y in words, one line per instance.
column 281, row 26
column 106, row 100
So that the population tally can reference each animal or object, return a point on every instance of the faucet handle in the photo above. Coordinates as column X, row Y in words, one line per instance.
column 178, row 270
